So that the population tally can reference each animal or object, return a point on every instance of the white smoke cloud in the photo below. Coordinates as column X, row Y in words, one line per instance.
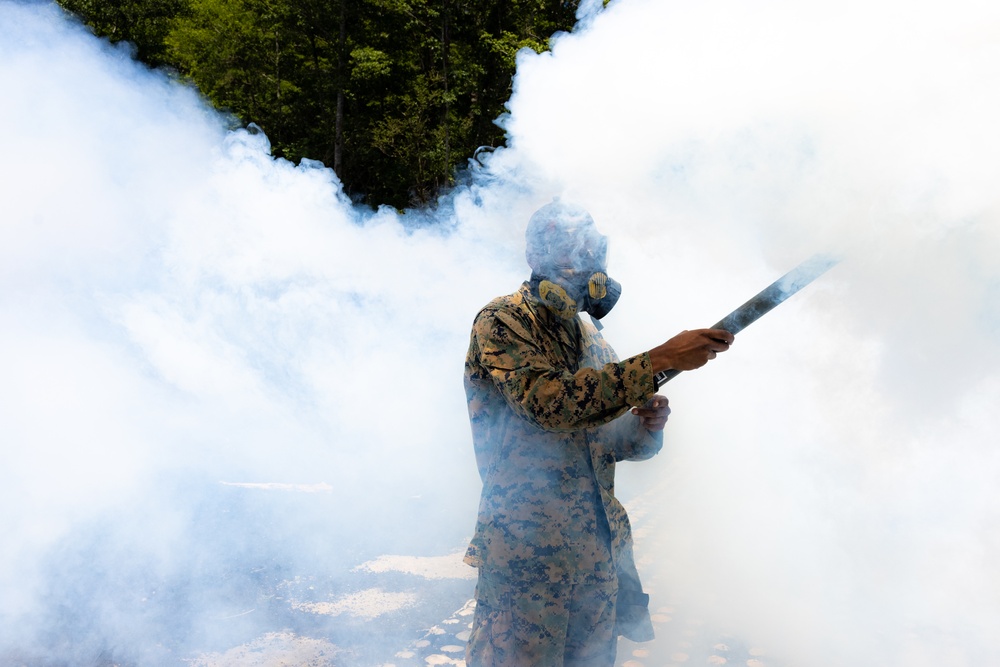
column 181, row 309
column 829, row 489
column 830, row 485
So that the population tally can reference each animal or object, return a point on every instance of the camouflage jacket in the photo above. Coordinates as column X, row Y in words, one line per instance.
column 548, row 400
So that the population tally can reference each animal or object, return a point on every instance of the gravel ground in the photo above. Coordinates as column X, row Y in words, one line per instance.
column 409, row 611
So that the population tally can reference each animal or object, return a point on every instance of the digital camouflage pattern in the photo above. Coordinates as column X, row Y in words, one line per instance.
column 542, row 624
column 548, row 401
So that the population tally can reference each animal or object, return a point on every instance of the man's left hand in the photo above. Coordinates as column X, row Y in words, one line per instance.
column 654, row 414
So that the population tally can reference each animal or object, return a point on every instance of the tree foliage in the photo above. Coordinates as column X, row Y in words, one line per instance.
column 144, row 23
column 393, row 94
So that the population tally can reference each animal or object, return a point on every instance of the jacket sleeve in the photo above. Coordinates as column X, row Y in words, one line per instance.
column 626, row 439
column 552, row 397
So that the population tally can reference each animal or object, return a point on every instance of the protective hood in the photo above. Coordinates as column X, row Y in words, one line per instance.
column 569, row 259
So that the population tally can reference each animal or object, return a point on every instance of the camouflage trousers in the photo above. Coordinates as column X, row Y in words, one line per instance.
column 520, row 624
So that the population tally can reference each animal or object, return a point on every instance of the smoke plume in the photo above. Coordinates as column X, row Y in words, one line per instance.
column 181, row 309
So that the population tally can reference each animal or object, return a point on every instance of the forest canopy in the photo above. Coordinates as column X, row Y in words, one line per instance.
column 394, row 95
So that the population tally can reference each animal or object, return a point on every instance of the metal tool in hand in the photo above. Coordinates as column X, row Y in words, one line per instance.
column 763, row 302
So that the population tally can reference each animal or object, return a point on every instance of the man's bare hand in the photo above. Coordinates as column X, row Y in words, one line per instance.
column 654, row 414
column 689, row 350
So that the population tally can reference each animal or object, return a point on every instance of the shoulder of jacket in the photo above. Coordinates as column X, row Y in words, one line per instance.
column 588, row 329
column 514, row 304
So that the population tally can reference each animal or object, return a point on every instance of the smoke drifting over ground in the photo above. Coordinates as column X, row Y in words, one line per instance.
column 179, row 309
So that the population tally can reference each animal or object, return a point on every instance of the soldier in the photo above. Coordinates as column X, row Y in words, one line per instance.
column 549, row 402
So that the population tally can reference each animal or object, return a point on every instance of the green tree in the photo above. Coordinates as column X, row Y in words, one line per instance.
column 243, row 58
column 395, row 95
column 144, row 23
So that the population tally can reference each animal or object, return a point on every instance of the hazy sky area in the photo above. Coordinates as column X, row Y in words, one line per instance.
column 179, row 309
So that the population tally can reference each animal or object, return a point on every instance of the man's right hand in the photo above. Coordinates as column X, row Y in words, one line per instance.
column 689, row 350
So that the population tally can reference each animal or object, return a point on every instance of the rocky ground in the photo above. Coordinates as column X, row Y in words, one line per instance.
column 406, row 611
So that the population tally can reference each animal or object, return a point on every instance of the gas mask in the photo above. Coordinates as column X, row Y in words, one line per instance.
column 596, row 297
column 570, row 274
